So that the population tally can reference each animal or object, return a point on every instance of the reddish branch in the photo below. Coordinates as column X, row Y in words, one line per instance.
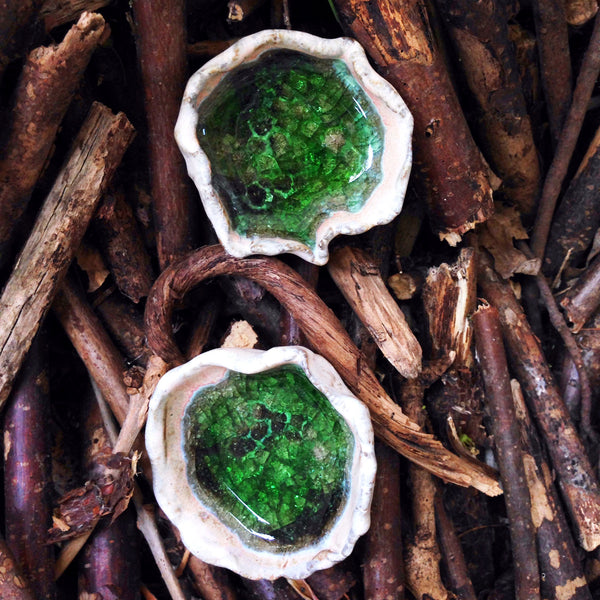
column 398, row 38
column 59, row 228
column 161, row 45
column 324, row 332
column 46, row 87
column 122, row 244
column 12, row 584
column 588, row 74
column 490, row 351
column 583, row 299
column 579, row 487
column 27, row 473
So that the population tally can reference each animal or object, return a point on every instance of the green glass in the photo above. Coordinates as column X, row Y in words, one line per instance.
column 270, row 456
column 291, row 139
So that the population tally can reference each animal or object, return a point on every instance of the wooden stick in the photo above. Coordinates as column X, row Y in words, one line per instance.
column 490, row 351
column 46, row 87
column 359, row 280
column 161, row 45
column 577, row 217
column 58, row 230
column 121, row 242
column 552, row 37
column 453, row 557
column 557, row 555
column 100, row 356
column 12, row 584
column 238, row 10
column 59, row 12
column 324, row 332
column 209, row 48
column 479, row 33
column 588, row 74
column 27, row 473
column 398, row 38
column 583, row 299
column 212, row 582
column 579, row 487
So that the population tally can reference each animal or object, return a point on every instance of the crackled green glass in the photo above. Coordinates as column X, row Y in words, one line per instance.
column 291, row 139
column 269, row 454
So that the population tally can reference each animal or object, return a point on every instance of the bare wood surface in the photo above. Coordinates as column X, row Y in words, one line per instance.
column 161, row 45
column 122, row 244
column 579, row 487
column 479, row 33
column 554, row 540
column 359, row 280
column 399, row 39
column 508, row 450
column 58, row 230
column 27, row 472
column 46, row 87
column 583, row 299
column 324, row 332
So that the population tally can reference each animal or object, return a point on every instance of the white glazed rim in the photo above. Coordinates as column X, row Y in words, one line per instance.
column 202, row 533
column 387, row 198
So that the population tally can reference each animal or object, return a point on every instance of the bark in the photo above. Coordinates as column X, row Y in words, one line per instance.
column 122, row 244
column 212, row 582
column 422, row 553
column 27, row 473
column 453, row 558
column 552, row 36
column 578, row 216
column 508, row 450
column 16, row 19
column 359, row 280
column 324, row 332
column 557, row 554
column 58, row 230
column 333, row 583
column 208, row 48
column 399, row 40
column 579, row 487
column 59, row 12
column 578, row 12
column 238, row 10
column 382, row 560
column 100, row 356
column 583, row 299
column 479, row 33
column 588, row 75
column 125, row 323
column 46, row 87
column 161, row 46
column 262, row 589
column 12, row 584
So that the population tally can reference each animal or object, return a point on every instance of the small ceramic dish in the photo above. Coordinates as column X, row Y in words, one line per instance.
column 264, row 460
column 291, row 140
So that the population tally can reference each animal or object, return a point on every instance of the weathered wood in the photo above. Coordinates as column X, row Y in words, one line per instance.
column 59, row 12
column 60, row 225
column 12, row 584
column 46, row 87
column 325, row 332
column 359, row 280
column 398, row 38
column 578, row 12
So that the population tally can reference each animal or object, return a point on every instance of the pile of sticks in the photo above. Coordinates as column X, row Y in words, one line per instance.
column 468, row 326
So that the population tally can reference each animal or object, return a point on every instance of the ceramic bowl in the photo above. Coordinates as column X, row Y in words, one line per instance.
column 291, row 140
column 264, row 460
